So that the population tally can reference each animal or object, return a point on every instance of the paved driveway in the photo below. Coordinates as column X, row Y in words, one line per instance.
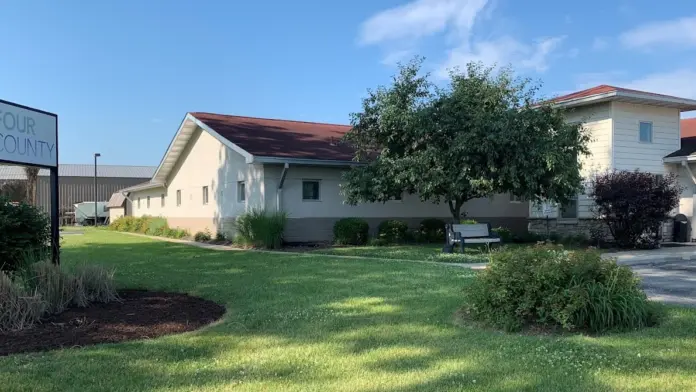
column 669, row 279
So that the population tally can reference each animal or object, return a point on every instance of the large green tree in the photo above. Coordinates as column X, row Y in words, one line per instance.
column 485, row 133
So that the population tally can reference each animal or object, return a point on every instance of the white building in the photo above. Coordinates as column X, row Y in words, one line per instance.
column 219, row 166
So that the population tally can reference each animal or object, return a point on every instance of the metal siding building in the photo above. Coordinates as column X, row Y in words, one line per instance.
column 76, row 182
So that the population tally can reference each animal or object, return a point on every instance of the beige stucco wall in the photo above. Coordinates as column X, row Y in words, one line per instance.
column 204, row 162
column 115, row 213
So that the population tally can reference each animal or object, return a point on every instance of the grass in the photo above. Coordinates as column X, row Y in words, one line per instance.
column 433, row 252
column 306, row 322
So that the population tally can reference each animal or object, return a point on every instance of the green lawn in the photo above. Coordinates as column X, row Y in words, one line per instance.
column 315, row 323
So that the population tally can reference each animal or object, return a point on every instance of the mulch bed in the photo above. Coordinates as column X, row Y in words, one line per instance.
column 139, row 315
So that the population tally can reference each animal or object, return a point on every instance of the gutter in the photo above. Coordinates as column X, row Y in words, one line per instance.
column 279, row 191
column 304, row 161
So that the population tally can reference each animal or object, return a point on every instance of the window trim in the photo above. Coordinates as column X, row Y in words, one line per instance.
column 318, row 199
column 241, row 199
column 577, row 211
column 652, row 132
column 178, row 197
column 205, row 196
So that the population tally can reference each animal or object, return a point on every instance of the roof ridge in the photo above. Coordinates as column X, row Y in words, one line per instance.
column 271, row 119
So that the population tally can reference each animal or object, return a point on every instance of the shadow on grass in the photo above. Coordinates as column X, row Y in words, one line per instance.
column 298, row 322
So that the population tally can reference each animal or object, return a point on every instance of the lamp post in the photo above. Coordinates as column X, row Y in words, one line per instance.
column 96, row 219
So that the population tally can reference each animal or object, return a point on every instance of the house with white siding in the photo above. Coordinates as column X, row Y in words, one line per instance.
column 631, row 130
column 219, row 166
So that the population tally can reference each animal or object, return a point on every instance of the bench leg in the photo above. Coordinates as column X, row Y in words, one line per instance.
column 461, row 246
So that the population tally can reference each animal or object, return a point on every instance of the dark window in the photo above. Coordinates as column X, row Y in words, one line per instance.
column 205, row 195
column 569, row 210
column 178, row 197
column 310, row 190
column 241, row 191
column 148, row 202
column 162, row 200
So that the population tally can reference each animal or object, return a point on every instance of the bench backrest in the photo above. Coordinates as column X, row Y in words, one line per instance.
column 472, row 230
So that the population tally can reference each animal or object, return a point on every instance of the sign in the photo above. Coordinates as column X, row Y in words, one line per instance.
column 28, row 136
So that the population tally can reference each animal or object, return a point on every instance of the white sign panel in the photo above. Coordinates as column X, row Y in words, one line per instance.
column 28, row 136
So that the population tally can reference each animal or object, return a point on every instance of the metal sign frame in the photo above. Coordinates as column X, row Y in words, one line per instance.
column 55, row 229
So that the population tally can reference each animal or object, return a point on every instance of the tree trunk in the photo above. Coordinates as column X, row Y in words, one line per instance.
column 32, row 174
column 455, row 207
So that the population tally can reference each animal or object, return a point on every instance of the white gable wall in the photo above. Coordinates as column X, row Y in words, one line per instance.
column 204, row 162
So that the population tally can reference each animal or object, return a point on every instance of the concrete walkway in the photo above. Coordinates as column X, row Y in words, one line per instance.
column 668, row 274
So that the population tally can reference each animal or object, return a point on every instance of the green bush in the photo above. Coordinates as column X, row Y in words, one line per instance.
column 393, row 231
column 528, row 237
column 19, row 308
column 23, row 229
column 548, row 286
column 203, row 236
column 259, row 228
column 432, row 230
column 351, row 231
column 155, row 226
column 378, row 242
column 504, row 233
column 220, row 236
column 458, row 258
column 468, row 222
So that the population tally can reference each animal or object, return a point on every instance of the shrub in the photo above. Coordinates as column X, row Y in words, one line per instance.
column 203, row 236
column 351, row 231
column 178, row 233
column 468, row 222
column 633, row 205
column 393, row 231
column 504, row 233
column 220, row 236
column 56, row 287
column 18, row 307
column 96, row 283
column 155, row 226
column 432, row 230
column 528, row 237
column 23, row 228
column 378, row 242
column 545, row 285
column 259, row 228
column 458, row 258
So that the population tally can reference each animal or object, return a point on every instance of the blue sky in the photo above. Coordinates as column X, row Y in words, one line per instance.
column 121, row 75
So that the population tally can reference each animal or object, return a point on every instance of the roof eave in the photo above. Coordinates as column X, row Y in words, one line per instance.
column 682, row 104
column 142, row 187
column 304, row 161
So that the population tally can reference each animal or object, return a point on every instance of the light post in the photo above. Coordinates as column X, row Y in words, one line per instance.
column 96, row 219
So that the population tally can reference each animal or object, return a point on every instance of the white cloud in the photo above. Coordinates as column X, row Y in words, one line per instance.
column 678, row 32
column 677, row 83
column 600, row 44
column 395, row 57
column 419, row 19
column 502, row 51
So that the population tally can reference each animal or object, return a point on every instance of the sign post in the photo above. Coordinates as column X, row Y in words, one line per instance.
column 30, row 137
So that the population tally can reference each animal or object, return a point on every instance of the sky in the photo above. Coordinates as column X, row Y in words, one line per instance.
column 121, row 75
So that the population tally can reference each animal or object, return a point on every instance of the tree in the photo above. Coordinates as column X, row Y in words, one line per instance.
column 633, row 205
column 485, row 133
column 32, row 174
column 14, row 190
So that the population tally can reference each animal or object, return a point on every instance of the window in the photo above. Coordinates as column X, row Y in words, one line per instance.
column 569, row 210
column 646, row 132
column 162, row 200
column 205, row 195
column 310, row 190
column 138, row 202
column 241, row 191
column 148, row 202
column 178, row 197
column 516, row 199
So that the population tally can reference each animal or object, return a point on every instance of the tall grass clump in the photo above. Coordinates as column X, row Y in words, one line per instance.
column 259, row 228
column 19, row 308
column 552, row 287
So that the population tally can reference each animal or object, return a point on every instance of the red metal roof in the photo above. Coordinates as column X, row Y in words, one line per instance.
column 688, row 127
column 603, row 89
column 281, row 138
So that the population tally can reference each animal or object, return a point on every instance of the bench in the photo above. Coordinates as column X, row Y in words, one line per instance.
column 477, row 233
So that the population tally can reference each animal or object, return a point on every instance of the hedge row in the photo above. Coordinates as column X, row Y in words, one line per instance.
column 355, row 231
column 149, row 225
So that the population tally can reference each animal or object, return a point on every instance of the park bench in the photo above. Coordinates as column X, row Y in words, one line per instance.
column 464, row 234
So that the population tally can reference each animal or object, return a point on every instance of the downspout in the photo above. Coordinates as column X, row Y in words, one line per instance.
column 279, row 192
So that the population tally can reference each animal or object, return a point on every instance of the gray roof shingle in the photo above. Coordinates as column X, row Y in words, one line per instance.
column 10, row 172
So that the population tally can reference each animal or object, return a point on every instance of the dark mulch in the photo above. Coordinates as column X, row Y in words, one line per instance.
column 139, row 315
